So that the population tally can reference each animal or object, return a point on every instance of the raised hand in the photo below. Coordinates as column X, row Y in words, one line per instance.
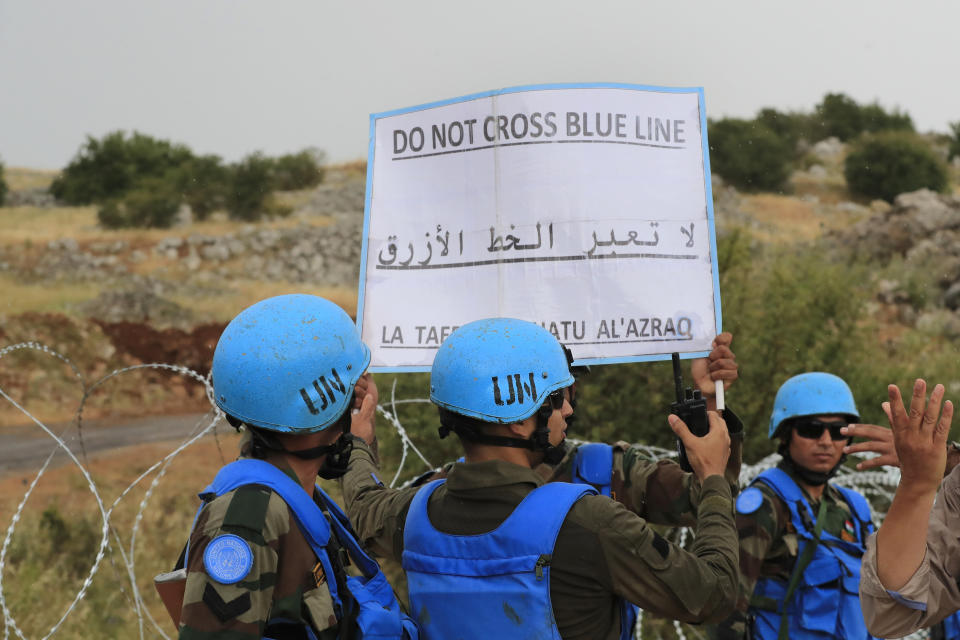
column 879, row 441
column 920, row 436
column 364, row 410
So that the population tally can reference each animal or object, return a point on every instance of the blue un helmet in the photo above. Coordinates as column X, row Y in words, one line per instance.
column 288, row 364
column 810, row 394
column 498, row 370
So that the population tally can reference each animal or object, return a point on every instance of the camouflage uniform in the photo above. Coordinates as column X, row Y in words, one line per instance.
column 602, row 551
column 658, row 491
column 286, row 580
column 769, row 547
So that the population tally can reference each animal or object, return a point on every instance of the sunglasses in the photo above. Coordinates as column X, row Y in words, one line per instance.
column 813, row 429
column 555, row 400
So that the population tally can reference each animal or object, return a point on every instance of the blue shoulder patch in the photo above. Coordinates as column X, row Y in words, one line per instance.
column 228, row 559
column 749, row 500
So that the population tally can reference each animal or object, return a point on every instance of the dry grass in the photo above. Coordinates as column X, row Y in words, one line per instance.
column 41, row 225
column 346, row 171
column 18, row 297
column 829, row 190
column 20, row 178
column 786, row 219
column 293, row 199
column 239, row 294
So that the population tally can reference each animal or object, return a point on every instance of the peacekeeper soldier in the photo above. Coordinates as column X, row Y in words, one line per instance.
column 659, row 491
column 911, row 571
column 802, row 538
column 493, row 551
column 268, row 552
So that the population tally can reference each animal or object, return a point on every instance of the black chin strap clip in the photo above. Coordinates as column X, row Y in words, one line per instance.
column 337, row 454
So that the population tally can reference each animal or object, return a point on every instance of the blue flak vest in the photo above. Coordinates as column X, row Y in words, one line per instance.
column 825, row 603
column 369, row 597
column 491, row 585
column 951, row 627
column 593, row 465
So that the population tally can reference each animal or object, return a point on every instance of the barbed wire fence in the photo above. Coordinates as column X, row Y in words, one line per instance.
column 879, row 484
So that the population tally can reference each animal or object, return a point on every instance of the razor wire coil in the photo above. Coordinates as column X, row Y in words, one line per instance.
column 875, row 483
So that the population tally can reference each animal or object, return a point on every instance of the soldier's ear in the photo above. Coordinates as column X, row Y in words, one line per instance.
column 522, row 429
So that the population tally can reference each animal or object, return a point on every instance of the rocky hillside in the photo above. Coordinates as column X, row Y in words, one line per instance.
column 128, row 297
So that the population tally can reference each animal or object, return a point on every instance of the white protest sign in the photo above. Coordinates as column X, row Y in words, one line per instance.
column 583, row 208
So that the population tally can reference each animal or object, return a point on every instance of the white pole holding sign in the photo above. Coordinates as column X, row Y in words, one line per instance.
column 583, row 208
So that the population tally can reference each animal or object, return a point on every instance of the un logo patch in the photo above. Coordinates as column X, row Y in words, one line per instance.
column 749, row 500
column 228, row 559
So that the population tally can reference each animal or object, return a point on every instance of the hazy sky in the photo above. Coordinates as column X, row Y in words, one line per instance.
column 232, row 76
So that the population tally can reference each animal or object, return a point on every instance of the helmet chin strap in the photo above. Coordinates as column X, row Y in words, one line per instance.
column 539, row 440
column 812, row 478
column 337, row 455
column 541, row 436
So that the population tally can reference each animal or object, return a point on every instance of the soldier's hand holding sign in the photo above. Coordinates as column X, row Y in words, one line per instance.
column 721, row 364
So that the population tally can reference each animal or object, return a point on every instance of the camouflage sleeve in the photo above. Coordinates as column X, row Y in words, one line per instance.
column 757, row 532
column 282, row 580
column 376, row 511
column 657, row 490
column 662, row 492
column 692, row 585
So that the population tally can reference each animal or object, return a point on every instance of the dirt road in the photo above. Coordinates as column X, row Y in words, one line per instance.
column 28, row 447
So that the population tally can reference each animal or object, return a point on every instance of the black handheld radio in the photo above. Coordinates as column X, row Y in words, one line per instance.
column 689, row 407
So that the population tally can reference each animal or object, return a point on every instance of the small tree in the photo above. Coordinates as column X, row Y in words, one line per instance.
column 251, row 181
column 840, row 116
column 889, row 163
column 153, row 203
column 298, row 170
column 106, row 169
column 748, row 154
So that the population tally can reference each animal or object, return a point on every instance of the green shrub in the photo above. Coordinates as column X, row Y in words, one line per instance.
column 886, row 164
column 748, row 154
column 954, row 151
column 251, row 181
column 203, row 182
column 841, row 116
column 3, row 187
column 875, row 118
column 153, row 203
column 298, row 170
column 106, row 169
column 790, row 127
